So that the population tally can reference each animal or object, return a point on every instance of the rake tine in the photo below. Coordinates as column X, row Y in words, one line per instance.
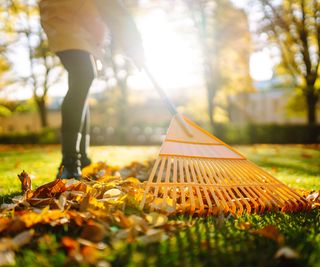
column 152, row 174
column 166, row 182
column 212, row 181
column 196, row 172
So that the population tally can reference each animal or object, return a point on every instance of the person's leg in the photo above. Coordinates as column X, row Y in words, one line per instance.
column 85, row 140
column 80, row 68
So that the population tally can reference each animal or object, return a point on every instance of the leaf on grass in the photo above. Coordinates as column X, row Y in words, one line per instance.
column 271, row 232
column 156, row 219
column 51, row 189
column 313, row 196
column 7, row 258
column 244, row 225
column 72, row 246
column 25, row 180
column 153, row 236
column 138, row 223
column 287, row 253
column 22, row 239
column 112, row 193
column 164, row 205
column 93, row 231
column 61, row 202
column 121, row 219
column 52, row 217
column 90, row 254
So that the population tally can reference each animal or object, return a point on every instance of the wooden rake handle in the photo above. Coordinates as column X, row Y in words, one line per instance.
column 171, row 107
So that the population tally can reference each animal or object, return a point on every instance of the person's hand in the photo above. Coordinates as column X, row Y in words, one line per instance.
column 134, row 50
column 123, row 29
column 129, row 39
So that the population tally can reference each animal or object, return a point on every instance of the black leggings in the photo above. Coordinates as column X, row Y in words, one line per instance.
column 75, row 110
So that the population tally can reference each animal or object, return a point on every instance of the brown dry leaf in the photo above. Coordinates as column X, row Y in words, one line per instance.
column 138, row 223
column 121, row 219
column 51, row 189
column 271, row 232
column 25, row 180
column 93, row 231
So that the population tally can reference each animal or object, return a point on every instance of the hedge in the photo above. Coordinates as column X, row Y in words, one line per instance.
column 231, row 134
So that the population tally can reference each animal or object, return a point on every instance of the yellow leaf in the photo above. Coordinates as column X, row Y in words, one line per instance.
column 244, row 225
column 156, row 219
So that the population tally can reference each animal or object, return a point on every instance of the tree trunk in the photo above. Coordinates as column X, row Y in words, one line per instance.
column 311, row 100
column 43, row 112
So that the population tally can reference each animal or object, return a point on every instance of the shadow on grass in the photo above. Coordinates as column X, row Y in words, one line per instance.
column 8, row 197
column 215, row 242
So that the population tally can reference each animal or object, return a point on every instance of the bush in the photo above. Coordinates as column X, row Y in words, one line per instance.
column 47, row 136
column 229, row 133
column 268, row 134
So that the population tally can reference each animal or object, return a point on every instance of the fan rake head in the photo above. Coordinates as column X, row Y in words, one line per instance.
column 202, row 175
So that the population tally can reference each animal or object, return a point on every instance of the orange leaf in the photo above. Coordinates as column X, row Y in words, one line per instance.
column 271, row 232
column 90, row 254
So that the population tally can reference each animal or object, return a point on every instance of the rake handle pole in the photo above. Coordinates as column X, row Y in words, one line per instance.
column 172, row 109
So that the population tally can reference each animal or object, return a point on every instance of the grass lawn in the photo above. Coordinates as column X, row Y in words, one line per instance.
column 209, row 241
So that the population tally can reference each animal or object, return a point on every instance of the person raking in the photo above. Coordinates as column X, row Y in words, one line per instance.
column 76, row 30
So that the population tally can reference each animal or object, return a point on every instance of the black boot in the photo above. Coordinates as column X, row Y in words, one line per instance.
column 85, row 140
column 70, row 166
column 84, row 145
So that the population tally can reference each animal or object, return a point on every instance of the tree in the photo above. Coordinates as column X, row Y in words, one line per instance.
column 223, row 32
column 293, row 26
column 22, row 29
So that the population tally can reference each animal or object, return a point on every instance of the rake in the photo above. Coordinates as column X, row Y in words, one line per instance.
column 196, row 173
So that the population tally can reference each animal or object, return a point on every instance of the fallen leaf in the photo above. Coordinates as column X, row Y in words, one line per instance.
column 25, row 180
column 244, row 225
column 313, row 196
column 22, row 239
column 152, row 236
column 287, row 253
column 112, row 193
column 7, row 258
column 93, row 232
column 89, row 254
column 156, row 219
column 271, row 232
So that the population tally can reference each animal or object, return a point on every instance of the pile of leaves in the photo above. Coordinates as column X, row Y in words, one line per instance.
column 98, row 211
column 90, row 217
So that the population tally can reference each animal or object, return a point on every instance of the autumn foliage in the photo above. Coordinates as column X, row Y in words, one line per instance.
column 98, row 211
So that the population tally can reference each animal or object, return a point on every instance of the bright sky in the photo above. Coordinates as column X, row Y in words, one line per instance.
column 174, row 59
